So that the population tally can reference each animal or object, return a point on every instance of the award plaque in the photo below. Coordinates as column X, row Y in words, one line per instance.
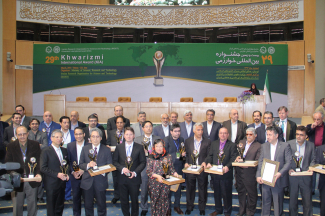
column 64, row 167
column 297, row 159
column 93, row 157
column 32, row 166
column 318, row 168
column 128, row 164
column 241, row 150
column 221, row 157
column 146, row 143
column 165, row 168
column 159, row 60
column 194, row 156
column 75, row 166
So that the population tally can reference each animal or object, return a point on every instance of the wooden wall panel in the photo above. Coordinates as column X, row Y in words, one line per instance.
column 24, row 52
column 77, row 1
column 214, row 2
column 97, row 2
column 24, row 92
column 296, row 88
column 226, row 2
column 242, row 1
column 154, row 110
column 296, row 52
column 9, row 19
column 61, row 1
column 56, row 104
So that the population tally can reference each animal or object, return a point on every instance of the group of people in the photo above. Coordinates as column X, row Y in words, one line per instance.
column 141, row 153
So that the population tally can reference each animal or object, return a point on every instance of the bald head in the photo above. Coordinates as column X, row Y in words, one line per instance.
column 47, row 117
column 233, row 115
column 74, row 116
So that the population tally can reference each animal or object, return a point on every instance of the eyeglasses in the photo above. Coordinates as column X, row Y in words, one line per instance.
column 249, row 134
column 95, row 137
column 297, row 134
column 22, row 134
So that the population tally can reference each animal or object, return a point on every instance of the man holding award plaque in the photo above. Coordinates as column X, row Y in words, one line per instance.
column 27, row 153
column 197, row 149
column 222, row 153
column 303, row 155
column 9, row 134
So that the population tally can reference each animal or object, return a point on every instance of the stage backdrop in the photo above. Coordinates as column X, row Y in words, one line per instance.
column 170, row 71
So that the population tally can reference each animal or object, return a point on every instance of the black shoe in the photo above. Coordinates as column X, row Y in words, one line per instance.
column 183, row 188
column 202, row 212
column 313, row 193
column 188, row 212
column 144, row 213
column 114, row 200
column 41, row 200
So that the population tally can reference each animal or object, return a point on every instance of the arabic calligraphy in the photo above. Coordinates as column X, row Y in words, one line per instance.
column 246, row 73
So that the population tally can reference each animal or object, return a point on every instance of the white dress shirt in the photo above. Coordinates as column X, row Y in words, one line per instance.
column 257, row 126
column 128, row 153
column 66, row 138
column 166, row 130
column 285, row 122
column 79, row 148
column 301, row 150
column 209, row 127
column 58, row 152
column 273, row 149
column 233, row 131
column 188, row 128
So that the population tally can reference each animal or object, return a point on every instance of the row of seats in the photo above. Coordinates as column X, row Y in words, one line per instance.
column 156, row 99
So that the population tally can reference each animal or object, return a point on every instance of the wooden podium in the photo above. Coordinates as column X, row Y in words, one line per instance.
column 56, row 105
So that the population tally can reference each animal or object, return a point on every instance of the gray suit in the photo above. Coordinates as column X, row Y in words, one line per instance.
column 304, row 183
column 284, row 156
column 40, row 137
column 144, row 176
column 159, row 131
column 137, row 129
column 184, row 131
column 26, row 122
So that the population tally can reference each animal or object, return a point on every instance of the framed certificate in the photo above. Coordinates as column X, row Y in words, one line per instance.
column 318, row 168
column 102, row 170
column 269, row 169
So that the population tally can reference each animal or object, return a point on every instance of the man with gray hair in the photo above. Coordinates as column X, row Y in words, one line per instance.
column 187, row 125
column 235, row 127
column 162, row 130
column 321, row 107
column 137, row 127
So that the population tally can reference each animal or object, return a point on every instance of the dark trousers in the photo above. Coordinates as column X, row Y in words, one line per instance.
column 77, row 192
column 275, row 193
column 115, row 175
column 178, row 168
column 68, row 191
column 304, row 184
column 191, row 187
column 100, row 200
column 55, row 202
column 322, row 194
column 127, row 190
column 222, row 190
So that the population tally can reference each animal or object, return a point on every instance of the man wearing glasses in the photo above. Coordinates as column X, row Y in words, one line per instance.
column 261, row 131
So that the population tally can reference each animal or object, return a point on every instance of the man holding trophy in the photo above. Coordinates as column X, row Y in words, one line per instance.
column 27, row 153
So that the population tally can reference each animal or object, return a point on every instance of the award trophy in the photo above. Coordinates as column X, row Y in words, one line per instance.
column 194, row 156
column 13, row 139
column 165, row 168
column 93, row 157
column 221, row 157
column 181, row 151
column 118, row 137
column 64, row 167
column 241, row 153
column 32, row 166
column 146, row 143
column 75, row 166
column 128, row 164
column 159, row 60
column 297, row 161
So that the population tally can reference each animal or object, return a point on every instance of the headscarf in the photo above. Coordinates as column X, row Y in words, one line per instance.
column 254, row 91
column 154, row 155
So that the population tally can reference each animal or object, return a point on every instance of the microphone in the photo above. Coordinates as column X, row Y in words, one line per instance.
column 10, row 166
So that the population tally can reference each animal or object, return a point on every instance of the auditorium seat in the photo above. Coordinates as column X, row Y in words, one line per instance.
column 306, row 120
column 186, row 99
column 100, row 99
column 230, row 99
column 124, row 99
column 82, row 99
column 209, row 99
column 155, row 99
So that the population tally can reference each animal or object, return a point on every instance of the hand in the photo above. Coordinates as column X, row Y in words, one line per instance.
column 67, row 178
column 176, row 175
column 160, row 178
column 309, row 171
column 225, row 169
column 204, row 165
column 186, row 165
column 92, row 164
column 146, row 151
column 76, row 175
column 238, row 158
column 291, row 171
column 278, row 175
column 259, row 180
column 108, row 146
column 125, row 171
column 313, row 125
column 209, row 165
column 81, row 172
column 132, row 175
column 38, row 176
column 62, row 176
column 183, row 154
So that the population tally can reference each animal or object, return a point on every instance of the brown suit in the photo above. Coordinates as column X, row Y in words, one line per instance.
column 241, row 130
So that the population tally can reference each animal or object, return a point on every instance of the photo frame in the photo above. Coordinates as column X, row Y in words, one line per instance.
column 268, row 171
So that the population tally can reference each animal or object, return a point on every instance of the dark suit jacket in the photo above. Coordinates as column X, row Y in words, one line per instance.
column 319, row 159
column 184, row 131
column 14, row 154
column 311, row 134
column 3, row 125
column 112, row 125
column 159, row 131
column 253, row 125
column 139, row 163
column 80, row 124
column 40, row 137
column 111, row 140
column 214, row 134
column 26, row 122
column 104, row 157
column 203, row 153
column 309, row 155
column 230, row 153
column 87, row 137
column 291, row 129
column 261, row 134
column 50, row 167
column 171, row 148
column 241, row 130
column 8, row 134
column 53, row 126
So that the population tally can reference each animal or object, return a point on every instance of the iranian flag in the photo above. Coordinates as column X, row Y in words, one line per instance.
column 267, row 92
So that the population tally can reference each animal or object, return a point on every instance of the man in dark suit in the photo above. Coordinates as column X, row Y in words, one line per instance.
column 118, row 111
column 74, row 152
column 68, row 135
column 235, row 127
column 257, row 117
column 24, row 119
column 306, row 152
column 10, row 132
column 129, row 186
column 276, row 151
column 95, row 187
column 53, row 177
column 147, row 129
column 222, row 183
column 320, row 159
column 211, row 127
column 201, row 145
column 48, row 126
column 21, row 151
column 187, row 125
column 245, row 178
column 93, row 120
column 261, row 131
column 173, row 144
column 3, row 126
column 137, row 127
column 288, row 127
column 162, row 130
column 74, row 117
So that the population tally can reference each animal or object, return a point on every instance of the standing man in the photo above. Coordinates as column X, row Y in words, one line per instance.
column 10, row 132
column 261, row 131
column 53, row 178
column 68, row 135
column 118, row 111
column 93, row 121
column 95, row 187
column 74, row 117
column 162, row 130
column 246, row 180
column 222, row 183
column 173, row 117
column 24, row 119
column 235, row 127
column 276, row 151
column 320, row 159
column 173, row 145
column 129, row 185
column 48, row 126
column 321, row 107
column 187, row 125
column 74, row 152
column 21, row 151
column 288, row 127
column 306, row 152
column 147, row 129
column 257, row 117
column 202, row 146
column 211, row 127
column 137, row 127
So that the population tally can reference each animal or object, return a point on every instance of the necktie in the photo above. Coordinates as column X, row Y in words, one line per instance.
column 282, row 125
column 95, row 152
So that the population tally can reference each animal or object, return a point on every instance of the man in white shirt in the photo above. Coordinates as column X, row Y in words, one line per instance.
column 288, row 127
column 235, row 127
column 257, row 118
column 162, row 130
column 211, row 127
column 137, row 127
column 187, row 125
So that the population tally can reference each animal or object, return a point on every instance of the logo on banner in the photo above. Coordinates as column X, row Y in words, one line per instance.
column 48, row 49
column 56, row 49
column 271, row 50
column 263, row 50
